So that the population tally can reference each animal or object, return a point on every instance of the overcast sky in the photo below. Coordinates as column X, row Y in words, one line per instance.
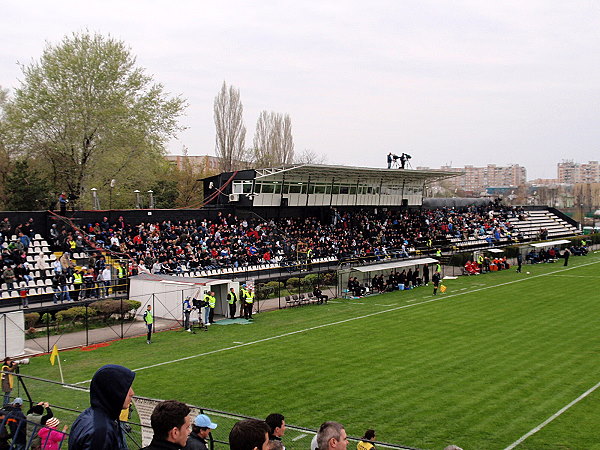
column 449, row 82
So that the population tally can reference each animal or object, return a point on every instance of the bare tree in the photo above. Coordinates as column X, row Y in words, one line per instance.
column 273, row 140
column 287, row 141
column 308, row 156
column 230, row 130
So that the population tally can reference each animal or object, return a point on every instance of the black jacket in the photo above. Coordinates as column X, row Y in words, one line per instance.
column 97, row 428
column 162, row 445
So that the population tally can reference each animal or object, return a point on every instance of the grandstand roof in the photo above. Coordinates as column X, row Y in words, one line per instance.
column 550, row 243
column 175, row 280
column 344, row 172
column 395, row 264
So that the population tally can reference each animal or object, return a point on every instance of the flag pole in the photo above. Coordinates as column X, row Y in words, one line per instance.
column 62, row 380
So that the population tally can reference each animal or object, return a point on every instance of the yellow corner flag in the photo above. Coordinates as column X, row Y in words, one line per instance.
column 442, row 288
column 54, row 354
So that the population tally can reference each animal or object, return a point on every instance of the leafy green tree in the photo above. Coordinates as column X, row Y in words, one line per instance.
column 26, row 189
column 165, row 193
column 93, row 115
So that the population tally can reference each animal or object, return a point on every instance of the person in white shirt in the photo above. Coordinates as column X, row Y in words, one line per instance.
column 107, row 279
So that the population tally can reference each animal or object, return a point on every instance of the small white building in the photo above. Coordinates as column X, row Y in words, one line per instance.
column 166, row 293
column 12, row 329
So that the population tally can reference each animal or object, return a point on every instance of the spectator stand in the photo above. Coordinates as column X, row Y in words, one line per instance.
column 366, row 272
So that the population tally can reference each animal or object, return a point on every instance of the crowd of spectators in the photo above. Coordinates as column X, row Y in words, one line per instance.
column 15, row 242
column 173, row 246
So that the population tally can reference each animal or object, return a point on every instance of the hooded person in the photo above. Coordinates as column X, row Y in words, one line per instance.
column 98, row 428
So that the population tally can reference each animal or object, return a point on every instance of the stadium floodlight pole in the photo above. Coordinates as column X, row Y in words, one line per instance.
column 137, row 198
column 96, row 201
column 151, row 203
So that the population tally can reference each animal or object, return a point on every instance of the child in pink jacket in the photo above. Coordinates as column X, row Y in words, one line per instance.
column 51, row 438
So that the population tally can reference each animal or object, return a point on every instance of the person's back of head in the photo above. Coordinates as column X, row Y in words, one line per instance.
column 369, row 435
column 249, row 434
column 274, row 421
column 275, row 445
column 331, row 435
column 167, row 421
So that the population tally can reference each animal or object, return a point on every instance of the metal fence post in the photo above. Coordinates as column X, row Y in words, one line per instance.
column 87, row 311
column 48, row 329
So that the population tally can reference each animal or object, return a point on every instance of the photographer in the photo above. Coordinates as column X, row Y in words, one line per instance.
column 187, row 311
column 8, row 365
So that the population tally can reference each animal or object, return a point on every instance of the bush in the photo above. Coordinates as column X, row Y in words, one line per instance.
column 106, row 308
column 266, row 290
column 310, row 280
column 292, row 283
column 74, row 313
column 31, row 319
column 133, row 305
column 329, row 278
column 274, row 285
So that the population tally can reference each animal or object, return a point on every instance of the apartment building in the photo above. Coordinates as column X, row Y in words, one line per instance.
column 570, row 172
column 478, row 179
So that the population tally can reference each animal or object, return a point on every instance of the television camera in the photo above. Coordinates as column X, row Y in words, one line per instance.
column 400, row 161
column 196, row 305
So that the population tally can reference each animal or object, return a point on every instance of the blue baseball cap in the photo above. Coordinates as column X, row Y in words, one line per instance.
column 203, row 421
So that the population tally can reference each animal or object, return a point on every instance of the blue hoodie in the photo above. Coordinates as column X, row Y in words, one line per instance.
column 97, row 428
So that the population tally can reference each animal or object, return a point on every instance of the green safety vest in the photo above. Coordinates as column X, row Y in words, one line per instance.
column 77, row 278
column 212, row 301
column 438, row 253
column 243, row 293
column 231, row 298
column 120, row 272
column 438, row 268
column 148, row 317
column 250, row 297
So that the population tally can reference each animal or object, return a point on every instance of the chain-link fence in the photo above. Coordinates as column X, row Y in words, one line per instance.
column 67, row 401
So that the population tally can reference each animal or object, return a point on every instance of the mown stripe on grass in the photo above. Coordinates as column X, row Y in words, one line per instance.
column 552, row 417
column 439, row 298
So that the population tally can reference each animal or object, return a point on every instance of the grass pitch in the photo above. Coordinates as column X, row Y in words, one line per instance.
column 479, row 366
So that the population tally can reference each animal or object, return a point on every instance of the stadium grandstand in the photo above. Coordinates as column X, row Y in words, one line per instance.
column 258, row 222
column 315, row 224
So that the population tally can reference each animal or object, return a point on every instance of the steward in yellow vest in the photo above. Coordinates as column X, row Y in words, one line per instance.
column 77, row 283
column 212, row 302
column 365, row 441
column 248, row 303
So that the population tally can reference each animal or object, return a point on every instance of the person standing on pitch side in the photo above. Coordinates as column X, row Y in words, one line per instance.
column 149, row 321
column 231, row 299
column 436, row 282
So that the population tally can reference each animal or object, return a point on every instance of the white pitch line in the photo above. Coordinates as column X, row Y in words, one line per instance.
column 339, row 322
column 577, row 276
column 300, row 436
column 552, row 417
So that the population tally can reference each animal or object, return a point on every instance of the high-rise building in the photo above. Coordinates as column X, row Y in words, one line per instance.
column 570, row 172
column 478, row 179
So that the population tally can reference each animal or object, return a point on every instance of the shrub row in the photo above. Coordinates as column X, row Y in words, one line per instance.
column 101, row 310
